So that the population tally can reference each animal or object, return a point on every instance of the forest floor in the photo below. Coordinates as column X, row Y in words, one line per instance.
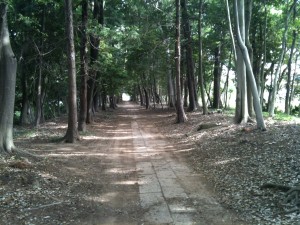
column 136, row 166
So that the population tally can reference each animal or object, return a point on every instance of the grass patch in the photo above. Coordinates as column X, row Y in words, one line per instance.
column 86, row 133
column 24, row 133
column 229, row 111
column 280, row 116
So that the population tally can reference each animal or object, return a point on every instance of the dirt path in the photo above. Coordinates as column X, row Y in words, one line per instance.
column 151, row 179
column 123, row 172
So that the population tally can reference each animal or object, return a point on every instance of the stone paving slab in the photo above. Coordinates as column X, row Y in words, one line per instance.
column 158, row 214
column 164, row 182
column 145, row 168
column 150, row 199
column 164, row 173
column 148, row 183
column 174, row 192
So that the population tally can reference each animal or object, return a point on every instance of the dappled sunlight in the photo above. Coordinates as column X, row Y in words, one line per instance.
column 107, row 197
column 106, row 138
column 182, row 209
column 69, row 155
column 119, row 170
column 126, row 182
column 48, row 176
column 185, row 150
column 223, row 162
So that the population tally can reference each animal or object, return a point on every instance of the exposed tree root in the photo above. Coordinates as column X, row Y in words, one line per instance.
column 292, row 196
column 22, row 153
column 278, row 187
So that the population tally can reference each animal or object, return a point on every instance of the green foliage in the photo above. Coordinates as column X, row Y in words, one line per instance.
column 136, row 43
column 280, row 116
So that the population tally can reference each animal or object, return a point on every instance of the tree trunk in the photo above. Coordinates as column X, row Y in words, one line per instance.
column 201, row 77
column 72, row 132
column 185, row 93
column 293, row 82
column 95, row 43
column 217, row 79
column 248, row 15
column 96, row 101
column 241, row 109
column 39, row 96
column 141, row 95
column 288, row 82
column 83, row 67
column 189, row 57
column 171, row 91
column 25, row 118
column 279, row 63
column 227, row 81
column 246, row 58
column 264, row 49
column 8, row 69
column 103, row 99
column 180, row 114
column 147, row 99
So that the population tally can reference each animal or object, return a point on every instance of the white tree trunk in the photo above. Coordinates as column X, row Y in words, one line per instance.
column 257, row 107
column 241, row 111
column 279, row 64
column 8, row 69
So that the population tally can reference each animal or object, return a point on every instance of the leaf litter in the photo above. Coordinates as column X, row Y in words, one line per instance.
column 250, row 171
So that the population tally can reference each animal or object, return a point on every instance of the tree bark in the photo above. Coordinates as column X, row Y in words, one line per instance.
column 201, row 77
column 217, row 79
column 72, row 132
column 262, row 81
column 280, row 60
column 227, row 80
column 189, row 57
column 180, row 114
column 95, row 43
column 171, row 91
column 8, row 69
column 289, row 76
column 103, row 100
column 241, row 109
column 83, row 67
column 230, row 30
column 25, row 118
column 293, row 82
column 246, row 58
column 39, row 97
column 248, row 15
column 147, row 99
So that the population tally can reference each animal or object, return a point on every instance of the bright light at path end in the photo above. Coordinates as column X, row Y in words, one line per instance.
column 125, row 97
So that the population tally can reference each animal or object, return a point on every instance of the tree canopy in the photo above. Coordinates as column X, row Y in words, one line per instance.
column 130, row 48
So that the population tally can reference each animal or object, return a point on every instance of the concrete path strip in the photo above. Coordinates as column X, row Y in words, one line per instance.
column 169, row 192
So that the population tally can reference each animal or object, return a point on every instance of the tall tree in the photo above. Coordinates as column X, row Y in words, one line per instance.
column 8, row 69
column 201, row 77
column 289, row 73
column 217, row 78
column 83, row 66
column 241, row 109
column 239, row 7
column 189, row 57
column 72, row 132
column 248, row 16
column 280, row 60
column 181, row 117
column 98, row 16
column 39, row 117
